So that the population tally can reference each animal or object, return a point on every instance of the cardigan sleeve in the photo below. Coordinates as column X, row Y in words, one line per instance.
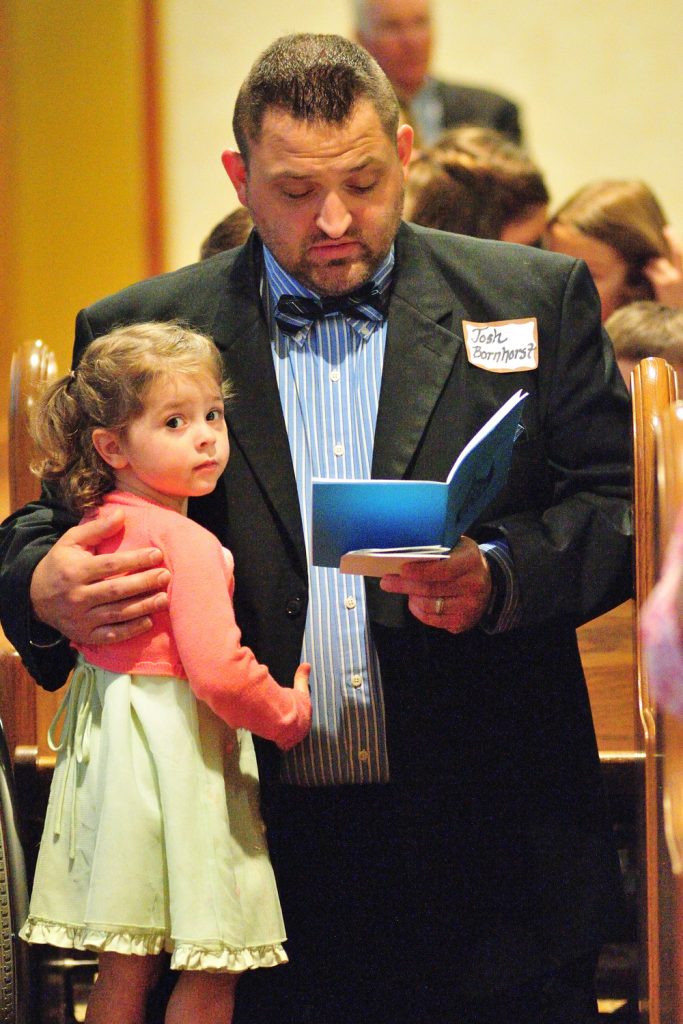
column 219, row 669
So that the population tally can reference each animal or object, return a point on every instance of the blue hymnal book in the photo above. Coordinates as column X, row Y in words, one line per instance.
column 376, row 525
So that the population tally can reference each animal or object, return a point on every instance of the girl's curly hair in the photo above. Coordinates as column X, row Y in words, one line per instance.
column 108, row 388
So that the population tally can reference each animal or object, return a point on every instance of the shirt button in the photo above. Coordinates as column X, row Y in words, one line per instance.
column 335, row 375
column 350, row 602
column 293, row 607
column 363, row 756
column 338, row 449
column 356, row 681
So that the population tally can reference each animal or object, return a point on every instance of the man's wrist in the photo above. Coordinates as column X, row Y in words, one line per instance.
column 504, row 608
column 42, row 636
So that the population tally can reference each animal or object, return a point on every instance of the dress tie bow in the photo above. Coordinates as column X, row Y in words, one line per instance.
column 296, row 311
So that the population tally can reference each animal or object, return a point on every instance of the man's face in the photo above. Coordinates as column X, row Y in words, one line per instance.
column 398, row 34
column 325, row 198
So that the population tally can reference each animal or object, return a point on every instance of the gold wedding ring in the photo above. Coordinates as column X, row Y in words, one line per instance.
column 438, row 608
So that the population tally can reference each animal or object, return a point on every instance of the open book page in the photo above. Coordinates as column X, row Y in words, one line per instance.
column 356, row 515
column 489, row 427
column 379, row 561
column 481, row 469
column 353, row 514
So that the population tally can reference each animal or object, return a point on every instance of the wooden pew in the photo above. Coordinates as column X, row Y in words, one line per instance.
column 654, row 388
column 33, row 367
column 625, row 719
column 25, row 709
column 607, row 646
column 21, row 806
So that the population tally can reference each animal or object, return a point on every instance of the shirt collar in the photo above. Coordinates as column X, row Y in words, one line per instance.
column 427, row 109
column 428, row 90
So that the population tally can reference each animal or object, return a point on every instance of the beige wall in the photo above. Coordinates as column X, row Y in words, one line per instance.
column 74, row 208
column 599, row 82
column 207, row 49
column 75, row 184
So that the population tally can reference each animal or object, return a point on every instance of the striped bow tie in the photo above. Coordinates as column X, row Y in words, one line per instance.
column 296, row 311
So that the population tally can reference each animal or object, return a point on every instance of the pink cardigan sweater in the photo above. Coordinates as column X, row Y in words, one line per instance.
column 198, row 638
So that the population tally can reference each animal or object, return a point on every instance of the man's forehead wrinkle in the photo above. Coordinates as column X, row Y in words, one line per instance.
column 305, row 164
column 286, row 150
column 291, row 174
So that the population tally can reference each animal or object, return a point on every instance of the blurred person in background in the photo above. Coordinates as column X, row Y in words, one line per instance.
column 474, row 181
column 398, row 34
column 644, row 329
column 230, row 232
column 620, row 230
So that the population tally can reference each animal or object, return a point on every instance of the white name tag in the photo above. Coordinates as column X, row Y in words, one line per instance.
column 504, row 346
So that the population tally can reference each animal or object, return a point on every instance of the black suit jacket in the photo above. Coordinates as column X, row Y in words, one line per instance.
column 464, row 104
column 503, row 721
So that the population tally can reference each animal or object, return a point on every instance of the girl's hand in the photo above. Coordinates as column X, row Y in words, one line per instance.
column 302, row 702
column 301, row 678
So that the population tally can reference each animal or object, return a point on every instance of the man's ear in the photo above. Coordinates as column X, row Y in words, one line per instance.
column 236, row 170
column 107, row 444
column 404, row 144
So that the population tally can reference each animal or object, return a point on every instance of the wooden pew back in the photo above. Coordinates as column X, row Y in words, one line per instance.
column 33, row 367
column 653, row 388
column 25, row 710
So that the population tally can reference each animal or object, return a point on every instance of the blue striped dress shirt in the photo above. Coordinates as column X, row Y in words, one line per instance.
column 329, row 375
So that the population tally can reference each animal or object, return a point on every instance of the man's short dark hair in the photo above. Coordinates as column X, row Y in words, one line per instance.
column 312, row 78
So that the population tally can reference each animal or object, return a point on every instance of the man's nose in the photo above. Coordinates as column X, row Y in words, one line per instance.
column 333, row 218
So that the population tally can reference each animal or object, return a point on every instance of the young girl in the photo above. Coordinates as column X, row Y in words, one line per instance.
column 153, row 841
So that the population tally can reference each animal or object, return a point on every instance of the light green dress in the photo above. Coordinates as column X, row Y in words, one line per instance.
column 153, row 838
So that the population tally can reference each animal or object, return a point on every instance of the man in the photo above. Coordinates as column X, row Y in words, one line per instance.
column 440, row 839
column 398, row 34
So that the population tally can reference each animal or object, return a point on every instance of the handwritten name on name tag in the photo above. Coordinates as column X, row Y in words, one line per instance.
column 504, row 346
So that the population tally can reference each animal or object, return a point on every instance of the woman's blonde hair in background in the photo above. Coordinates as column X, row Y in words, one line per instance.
column 625, row 215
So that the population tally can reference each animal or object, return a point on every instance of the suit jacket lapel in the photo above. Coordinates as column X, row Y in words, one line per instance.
column 421, row 346
column 420, row 350
column 255, row 418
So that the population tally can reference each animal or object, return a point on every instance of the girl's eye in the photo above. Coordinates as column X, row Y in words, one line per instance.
column 173, row 422
column 215, row 414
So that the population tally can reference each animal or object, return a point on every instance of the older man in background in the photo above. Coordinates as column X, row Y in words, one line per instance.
column 398, row 34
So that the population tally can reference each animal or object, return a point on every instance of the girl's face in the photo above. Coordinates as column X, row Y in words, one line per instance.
column 608, row 268
column 177, row 448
